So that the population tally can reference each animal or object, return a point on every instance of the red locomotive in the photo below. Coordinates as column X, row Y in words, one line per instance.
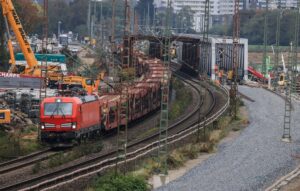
column 65, row 120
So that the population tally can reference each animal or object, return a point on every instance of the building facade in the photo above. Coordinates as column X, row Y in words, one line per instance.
column 219, row 10
column 273, row 4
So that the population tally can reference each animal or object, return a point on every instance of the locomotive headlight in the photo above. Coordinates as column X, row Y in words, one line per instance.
column 74, row 126
column 42, row 126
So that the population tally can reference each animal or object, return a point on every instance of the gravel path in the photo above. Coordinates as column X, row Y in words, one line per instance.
column 255, row 159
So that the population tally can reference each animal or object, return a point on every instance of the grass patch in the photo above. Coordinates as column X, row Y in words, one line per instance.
column 61, row 158
column 147, row 133
column 260, row 48
column 183, row 98
column 119, row 182
column 18, row 143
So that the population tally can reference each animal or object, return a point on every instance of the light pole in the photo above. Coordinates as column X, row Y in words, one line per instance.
column 58, row 30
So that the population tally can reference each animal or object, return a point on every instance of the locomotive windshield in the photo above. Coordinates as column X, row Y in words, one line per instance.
column 89, row 82
column 57, row 108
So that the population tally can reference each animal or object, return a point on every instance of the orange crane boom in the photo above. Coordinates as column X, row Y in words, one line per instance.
column 14, row 22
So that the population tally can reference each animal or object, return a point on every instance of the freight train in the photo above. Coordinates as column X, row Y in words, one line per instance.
column 66, row 121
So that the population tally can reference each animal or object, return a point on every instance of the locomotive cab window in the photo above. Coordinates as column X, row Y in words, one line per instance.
column 89, row 82
column 58, row 108
column 281, row 78
column 2, row 115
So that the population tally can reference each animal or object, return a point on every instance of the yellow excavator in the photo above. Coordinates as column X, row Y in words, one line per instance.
column 32, row 68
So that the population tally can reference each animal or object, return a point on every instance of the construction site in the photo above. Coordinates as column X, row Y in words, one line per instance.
column 141, row 95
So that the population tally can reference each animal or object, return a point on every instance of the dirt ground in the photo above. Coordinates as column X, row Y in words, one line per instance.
column 294, row 185
column 84, row 56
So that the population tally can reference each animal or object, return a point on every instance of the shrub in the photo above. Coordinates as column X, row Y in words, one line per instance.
column 118, row 182
column 36, row 168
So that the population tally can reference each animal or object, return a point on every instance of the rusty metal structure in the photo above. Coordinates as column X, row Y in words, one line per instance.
column 235, row 59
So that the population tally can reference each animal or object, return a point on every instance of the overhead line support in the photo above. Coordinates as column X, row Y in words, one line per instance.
column 164, row 113
column 235, row 59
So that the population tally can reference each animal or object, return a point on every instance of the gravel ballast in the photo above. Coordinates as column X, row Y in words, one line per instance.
column 255, row 159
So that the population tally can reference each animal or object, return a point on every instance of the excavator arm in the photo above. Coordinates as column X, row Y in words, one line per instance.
column 14, row 22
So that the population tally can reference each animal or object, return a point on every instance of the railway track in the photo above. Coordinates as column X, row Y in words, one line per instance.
column 25, row 161
column 183, row 128
column 43, row 155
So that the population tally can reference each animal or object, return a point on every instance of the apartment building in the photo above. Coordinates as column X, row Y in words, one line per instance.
column 219, row 9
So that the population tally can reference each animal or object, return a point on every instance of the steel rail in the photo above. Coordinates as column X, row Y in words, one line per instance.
column 71, row 174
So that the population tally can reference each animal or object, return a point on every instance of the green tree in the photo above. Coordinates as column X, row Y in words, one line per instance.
column 185, row 20
column 3, row 50
column 74, row 15
column 145, row 10
column 252, row 26
column 30, row 14
column 58, row 11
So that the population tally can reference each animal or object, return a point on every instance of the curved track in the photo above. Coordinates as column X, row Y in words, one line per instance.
column 178, row 131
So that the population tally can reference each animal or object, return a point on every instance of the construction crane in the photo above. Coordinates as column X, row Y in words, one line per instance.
column 11, row 17
column 32, row 68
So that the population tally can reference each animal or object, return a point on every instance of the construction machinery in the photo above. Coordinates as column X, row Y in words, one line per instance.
column 282, row 80
column 88, row 84
column 32, row 68
column 5, row 117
